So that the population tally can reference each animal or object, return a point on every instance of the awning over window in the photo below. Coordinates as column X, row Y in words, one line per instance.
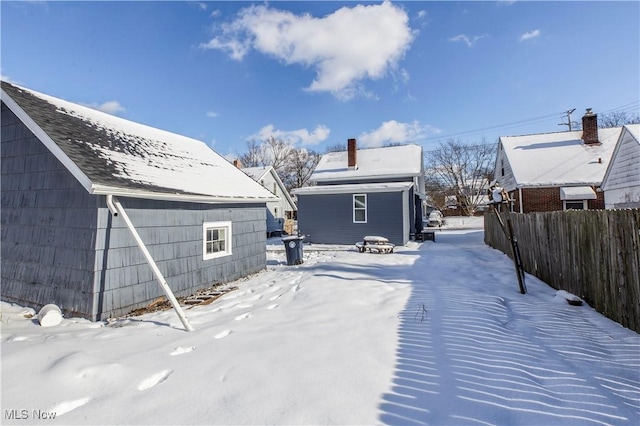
column 577, row 193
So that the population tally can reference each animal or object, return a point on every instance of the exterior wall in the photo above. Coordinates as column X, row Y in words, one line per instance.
column 622, row 182
column 61, row 245
column 502, row 171
column 328, row 218
column 548, row 199
column 173, row 235
column 276, row 209
column 48, row 223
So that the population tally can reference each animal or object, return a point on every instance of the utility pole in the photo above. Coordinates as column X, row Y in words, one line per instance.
column 569, row 122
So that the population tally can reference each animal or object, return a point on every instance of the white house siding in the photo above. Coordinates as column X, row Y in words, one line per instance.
column 622, row 181
column 503, row 172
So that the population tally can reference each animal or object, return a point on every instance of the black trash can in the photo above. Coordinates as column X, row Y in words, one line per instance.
column 293, row 247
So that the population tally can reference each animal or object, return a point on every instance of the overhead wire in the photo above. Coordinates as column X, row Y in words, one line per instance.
column 631, row 107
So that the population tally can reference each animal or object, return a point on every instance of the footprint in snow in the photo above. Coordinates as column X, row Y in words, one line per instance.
column 222, row 334
column 66, row 406
column 295, row 288
column 182, row 350
column 276, row 297
column 154, row 380
column 243, row 316
column 275, row 305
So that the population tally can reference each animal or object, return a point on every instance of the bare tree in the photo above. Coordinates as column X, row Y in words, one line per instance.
column 617, row 119
column 463, row 170
column 336, row 147
column 300, row 165
column 254, row 157
column 271, row 152
column 277, row 152
column 293, row 165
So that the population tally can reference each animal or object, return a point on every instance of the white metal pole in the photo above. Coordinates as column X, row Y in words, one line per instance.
column 113, row 203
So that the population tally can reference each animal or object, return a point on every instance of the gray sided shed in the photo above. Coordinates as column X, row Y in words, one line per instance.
column 61, row 245
column 326, row 213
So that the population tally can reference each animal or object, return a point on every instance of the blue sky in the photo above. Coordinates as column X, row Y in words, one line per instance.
column 318, row 73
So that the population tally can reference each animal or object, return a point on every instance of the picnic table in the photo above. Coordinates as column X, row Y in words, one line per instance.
column 374, row 243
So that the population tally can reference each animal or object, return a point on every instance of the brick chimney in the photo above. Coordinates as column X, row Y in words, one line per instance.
column 590, row 128
column 351, row 154
column 237, row 163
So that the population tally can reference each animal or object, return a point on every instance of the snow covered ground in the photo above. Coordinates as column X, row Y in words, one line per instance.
column 434, row 333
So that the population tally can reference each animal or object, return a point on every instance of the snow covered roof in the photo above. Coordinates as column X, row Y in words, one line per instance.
column 562, row 158
column 386, row 162
column 111, row 155
column 256, row 173
column 354, row 188
column 634, row 131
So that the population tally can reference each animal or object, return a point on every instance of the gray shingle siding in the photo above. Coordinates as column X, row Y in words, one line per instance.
column 61, row 245
column 328, row 218
column 48, row 225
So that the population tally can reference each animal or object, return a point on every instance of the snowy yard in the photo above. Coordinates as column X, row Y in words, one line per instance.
column 434, row 333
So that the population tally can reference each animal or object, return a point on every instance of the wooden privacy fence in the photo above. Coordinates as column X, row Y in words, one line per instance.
column 593, row 254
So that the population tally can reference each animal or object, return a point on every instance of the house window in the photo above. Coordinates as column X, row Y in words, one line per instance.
column 502, row 167
column 575, row 205
column 359, row 208
column 216, row 238
column 275, row 188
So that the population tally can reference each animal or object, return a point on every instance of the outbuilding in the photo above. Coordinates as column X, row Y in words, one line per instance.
column 63, row 165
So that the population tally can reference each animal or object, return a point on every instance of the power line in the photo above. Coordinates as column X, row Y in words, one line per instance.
column 632, row 107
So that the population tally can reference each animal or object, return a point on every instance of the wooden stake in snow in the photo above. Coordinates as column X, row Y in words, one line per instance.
column 116, row 208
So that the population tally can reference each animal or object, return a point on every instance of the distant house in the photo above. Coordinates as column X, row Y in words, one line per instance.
column 556, row 171
column 376, row 191
column 281, row 214
column 65, row 165
column 621, row 183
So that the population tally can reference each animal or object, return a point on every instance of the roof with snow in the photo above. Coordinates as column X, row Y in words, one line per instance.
column 111, row 155
column 256, row 173
column 561, row 158
column 391, row 161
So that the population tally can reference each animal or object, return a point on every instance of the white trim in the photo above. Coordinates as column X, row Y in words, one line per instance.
column 354, row 188
column 191, row 198
column 366, row 208
column 228, row 249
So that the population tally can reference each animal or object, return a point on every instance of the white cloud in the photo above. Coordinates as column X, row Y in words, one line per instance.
column 469, row 41
column 212, row 114
column 300, row 136
column 345, row 47
column 393, row 131
column 110, row 107
column 530, row 35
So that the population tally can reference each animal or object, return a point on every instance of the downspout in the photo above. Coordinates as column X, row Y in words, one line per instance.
column 116, row 209
column 520, row 198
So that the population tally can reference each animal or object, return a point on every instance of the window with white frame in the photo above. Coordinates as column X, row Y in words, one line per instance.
column 216, row 238
column 360, row 208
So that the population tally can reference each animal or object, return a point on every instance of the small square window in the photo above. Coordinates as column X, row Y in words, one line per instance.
column 216, row 239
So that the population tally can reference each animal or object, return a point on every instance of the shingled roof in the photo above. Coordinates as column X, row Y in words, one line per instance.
column 111, row 155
